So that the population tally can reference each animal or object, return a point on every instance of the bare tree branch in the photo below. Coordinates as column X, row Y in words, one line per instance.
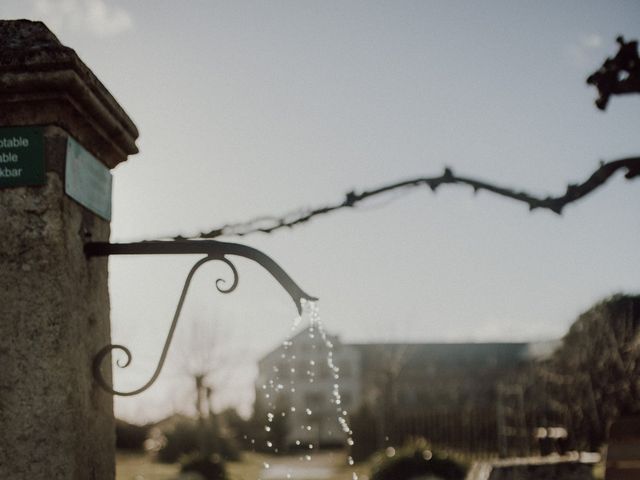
column 618, row 75
column 268, row 224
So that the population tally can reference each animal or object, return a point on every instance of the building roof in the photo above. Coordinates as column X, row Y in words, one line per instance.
column 458, row 355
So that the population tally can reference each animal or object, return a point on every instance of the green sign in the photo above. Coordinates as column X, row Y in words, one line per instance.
column 87, row 180
column 21, row 156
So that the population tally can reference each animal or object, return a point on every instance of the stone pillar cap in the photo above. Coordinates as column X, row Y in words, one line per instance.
column 42, row 82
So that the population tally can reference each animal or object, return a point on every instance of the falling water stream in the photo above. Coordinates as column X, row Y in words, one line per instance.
column 285, row 382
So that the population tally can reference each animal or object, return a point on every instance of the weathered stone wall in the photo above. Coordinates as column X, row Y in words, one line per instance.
column 55, row 422
column 54, row 316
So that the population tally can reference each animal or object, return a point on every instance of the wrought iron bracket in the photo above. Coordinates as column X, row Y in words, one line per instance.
column 214, row 250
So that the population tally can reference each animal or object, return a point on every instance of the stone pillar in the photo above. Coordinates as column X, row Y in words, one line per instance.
column 55, row 422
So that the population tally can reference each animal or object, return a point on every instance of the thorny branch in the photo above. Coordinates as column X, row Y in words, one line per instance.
column 555, row 204
column 618, row 75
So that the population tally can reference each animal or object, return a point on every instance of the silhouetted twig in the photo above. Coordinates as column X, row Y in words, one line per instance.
column 618, row 75
column 573, row 193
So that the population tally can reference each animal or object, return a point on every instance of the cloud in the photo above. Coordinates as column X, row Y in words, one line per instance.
column 586, row 51
column 95, row 17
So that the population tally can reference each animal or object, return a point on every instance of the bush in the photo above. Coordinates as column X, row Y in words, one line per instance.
column 182, row 439
column 236, row 426
column 364, row 423
column 188, row 437
column 211, row 467
column 413, row 460
column 129, row 436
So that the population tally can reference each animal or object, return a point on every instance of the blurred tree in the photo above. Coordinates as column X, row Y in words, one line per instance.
column 602, row 350
column 130, row 436
column 237, row 427
column 593, row 378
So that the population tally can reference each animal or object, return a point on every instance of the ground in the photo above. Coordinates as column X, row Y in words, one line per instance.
column 323, row 466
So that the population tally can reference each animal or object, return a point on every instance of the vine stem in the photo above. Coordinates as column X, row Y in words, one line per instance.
column 556, row 204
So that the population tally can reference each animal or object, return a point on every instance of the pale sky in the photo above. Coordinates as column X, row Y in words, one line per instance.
column 253, row 108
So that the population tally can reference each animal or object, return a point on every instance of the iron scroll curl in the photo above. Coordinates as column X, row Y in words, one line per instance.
column 214, row 250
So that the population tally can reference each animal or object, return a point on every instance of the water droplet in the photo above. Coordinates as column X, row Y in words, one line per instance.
column 320, row 344
column 350, row 460
column 266, row 465
column 269, row 444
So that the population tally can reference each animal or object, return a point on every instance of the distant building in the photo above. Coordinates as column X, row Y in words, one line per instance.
column 394, row 381
column 297, row 380
column 412, row 376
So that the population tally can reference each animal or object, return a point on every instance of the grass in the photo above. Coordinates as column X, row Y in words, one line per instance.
column 140, row 466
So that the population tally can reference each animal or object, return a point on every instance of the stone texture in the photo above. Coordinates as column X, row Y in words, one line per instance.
column 42, row 82
column 55, row 422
